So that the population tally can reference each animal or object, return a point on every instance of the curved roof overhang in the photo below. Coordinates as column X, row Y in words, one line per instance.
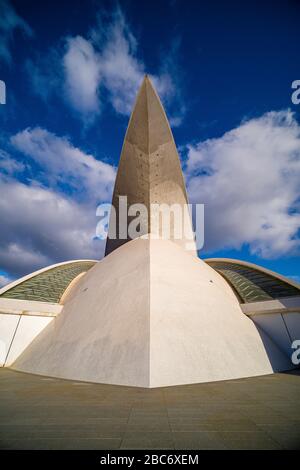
column 253, row 283
column 47, row 284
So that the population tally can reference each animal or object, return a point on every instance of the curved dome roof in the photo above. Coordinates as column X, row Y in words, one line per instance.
column 253, row 283
column 48, row 284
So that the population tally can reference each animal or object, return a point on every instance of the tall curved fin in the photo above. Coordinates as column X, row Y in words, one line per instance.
column 149, row 170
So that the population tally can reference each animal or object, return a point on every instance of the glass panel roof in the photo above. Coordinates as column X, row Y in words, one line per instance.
column 253, row 285
column 49, row 285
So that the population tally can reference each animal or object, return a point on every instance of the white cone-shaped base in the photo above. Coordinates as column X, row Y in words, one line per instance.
column 151, row 314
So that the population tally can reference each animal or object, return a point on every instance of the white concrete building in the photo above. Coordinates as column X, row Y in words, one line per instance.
column 151, row 313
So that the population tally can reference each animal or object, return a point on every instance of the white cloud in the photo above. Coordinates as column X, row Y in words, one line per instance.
column 103, row 66
column 48, row 224
column 10, row 21
column 4, row 280
column 108, row 60
column 82, row 68
column 122, row 71
column 249, row 182
column 63, row 164
column 43, row 227
column 9, row 165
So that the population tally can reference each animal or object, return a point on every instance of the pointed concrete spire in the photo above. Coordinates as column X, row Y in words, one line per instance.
column 149, row 314
column 149, row 169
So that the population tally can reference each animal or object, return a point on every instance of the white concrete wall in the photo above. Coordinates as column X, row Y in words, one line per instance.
column 198, row 332
column 102, row 334
column 29, row 307
column 16, row 333
column 8, row 325
column 292, row 321
column 150, row 314
column 273, row 325
column 282, row 328
column 28, row 329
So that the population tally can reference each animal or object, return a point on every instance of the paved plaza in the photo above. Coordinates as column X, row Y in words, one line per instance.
column 44, row 413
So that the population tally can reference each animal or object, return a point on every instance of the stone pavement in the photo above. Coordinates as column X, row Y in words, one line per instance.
column 44, row 413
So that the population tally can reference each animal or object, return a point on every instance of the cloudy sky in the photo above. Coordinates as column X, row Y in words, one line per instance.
column 224, row 72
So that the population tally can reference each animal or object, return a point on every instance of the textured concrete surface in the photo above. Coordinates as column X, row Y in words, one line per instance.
column 257, row 413
column 102, row 334
column 149, row 170
column 150, row 314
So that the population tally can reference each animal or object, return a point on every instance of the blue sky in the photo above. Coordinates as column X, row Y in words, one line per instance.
column 224, row 72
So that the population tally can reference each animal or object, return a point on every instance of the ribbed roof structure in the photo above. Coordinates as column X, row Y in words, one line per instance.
column 49, row 285
column 254, row 284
